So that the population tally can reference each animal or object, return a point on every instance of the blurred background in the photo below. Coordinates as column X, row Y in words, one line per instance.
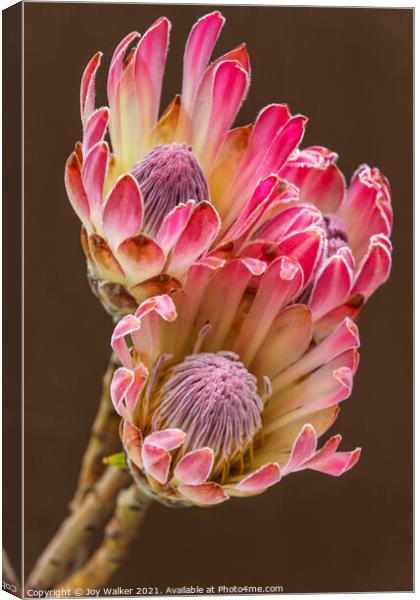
column 350, row 72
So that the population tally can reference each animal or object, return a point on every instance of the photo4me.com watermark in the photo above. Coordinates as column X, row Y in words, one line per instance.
column 186, row 590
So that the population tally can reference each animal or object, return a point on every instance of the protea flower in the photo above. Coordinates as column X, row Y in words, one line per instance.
column 186, row 185
column 224, row 389
column 171, row 186
column 340, row 236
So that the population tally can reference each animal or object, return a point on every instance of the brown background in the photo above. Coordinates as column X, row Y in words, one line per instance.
column 350, row 71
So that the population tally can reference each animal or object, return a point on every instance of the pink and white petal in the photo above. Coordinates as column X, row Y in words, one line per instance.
column 344, row 337
column 328, row 323
column 198, row 277
column 223, row 297
column 226, row 165
column 206, row 494
column 260, row 480
column 260, row 250
column 284, row 144
column 332, row 287
column 269, row 122
column 325, row 188
column 126, row 326
column 123, row 212
column 95, row 128
column 292, row 219
column 156, row 461
column 281, row 147
column 141, row 258
column 197, row 237
column 328, row 386
column 122, row 380
column 163, row 305
column 149, row 67
column 278, row 443
column 303, row 449
column 374, row 269
column 307, row 247
column 113, row 88
column 173, row 225
column 87, row 88
column 320, row 182
column 289, row 337
column 133, row 443
column 117, row 66
column 230, row 86
column 107, row 266
column 169, row 439
column 195, row 467
column 140, row 377
column 93, row 175
column 263, row 193
column 149, row 340
column 279, row 285
column 198, row 50
column 76, row 191
column 335, row 464
column 367, row 208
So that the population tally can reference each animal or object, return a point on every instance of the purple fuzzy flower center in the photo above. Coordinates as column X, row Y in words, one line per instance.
column 168, row 175
column 335, row 233
column 214, row 400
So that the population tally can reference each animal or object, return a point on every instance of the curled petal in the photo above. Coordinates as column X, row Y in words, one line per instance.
column 162, row 305
column 198, row 235
column 156, row 461
column 95, row 128
column 93, row 174
column 173, row 225
column 135, row 389
column 126, row 326
column 123, row 212
column 292, row 219
column 261, row 479
column 350, row 309
column 319, row 180
column 338, row 463
column 375, row 267
column 288, row 338
column 195, row 467
column 344, row 337
column 367, row 209
column 332, row 286
column 268, row 124
column 121, row 381
column 141, row 258
column 76, row 191
column 264, row 194
column 206, row 494
column 303, row 449
column 198, row 51
column 107, row 265
column 149, row 66
column 218, row 102
column 326, row 387
column 87, row 88
column 170, row 439
column 328, row 461
column 133, row 443
column 307, row 247
column 279, row 285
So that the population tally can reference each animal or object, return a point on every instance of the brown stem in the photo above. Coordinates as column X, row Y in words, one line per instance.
column 77, row 530
column 119, row 533
column 104, row 439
